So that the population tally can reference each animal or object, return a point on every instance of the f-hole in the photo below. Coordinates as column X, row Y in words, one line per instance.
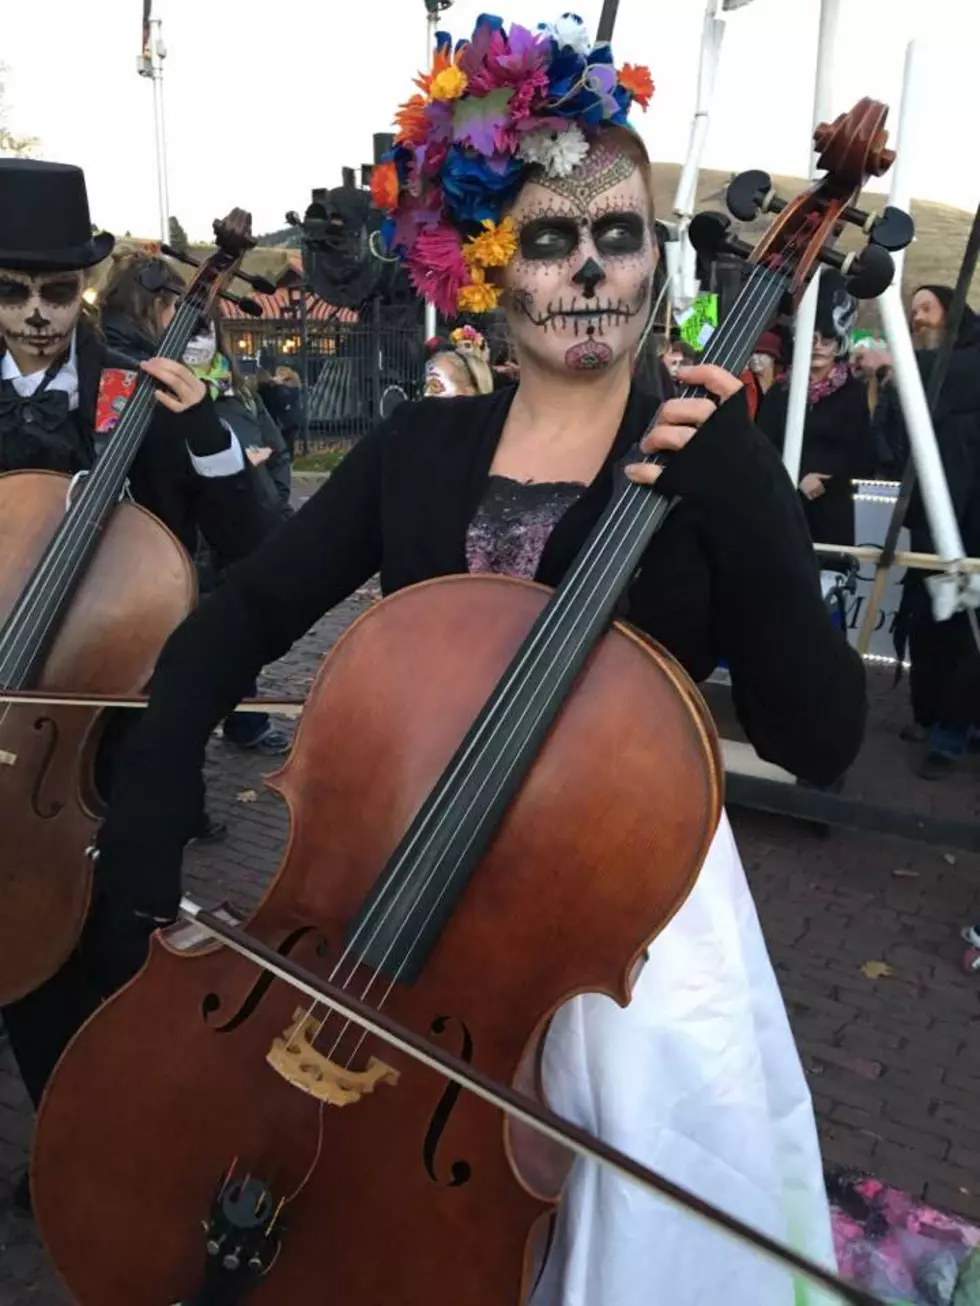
column 459, row 1171
column 211, row 1003
column 42, row 773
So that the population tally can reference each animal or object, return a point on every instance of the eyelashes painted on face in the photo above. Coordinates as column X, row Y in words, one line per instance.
column 553, row 237
column 59, row 291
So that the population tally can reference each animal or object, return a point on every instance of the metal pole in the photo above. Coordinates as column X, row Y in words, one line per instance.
column 158, row 54
column 432, row 26
column 806, row 317
column 823, row 91
column 607, row 20
column 925, row 462
column 304, row 356
column 799, row 381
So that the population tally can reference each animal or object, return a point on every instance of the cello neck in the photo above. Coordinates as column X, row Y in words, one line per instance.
column 442, row 848
column 33, row 621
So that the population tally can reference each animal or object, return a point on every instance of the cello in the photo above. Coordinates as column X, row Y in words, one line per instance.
column 90, row 588
column 493, row 875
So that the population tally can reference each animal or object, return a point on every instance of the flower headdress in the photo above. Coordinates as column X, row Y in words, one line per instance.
column 468, row 340
column 487, row 111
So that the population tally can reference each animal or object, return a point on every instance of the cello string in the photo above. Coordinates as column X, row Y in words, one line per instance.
column 78, row 524
column 633, row 495
column 76, row 528
column 753, row 299
column 753, row 302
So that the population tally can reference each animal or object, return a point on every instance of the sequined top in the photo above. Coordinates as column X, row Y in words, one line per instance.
column 511, row 527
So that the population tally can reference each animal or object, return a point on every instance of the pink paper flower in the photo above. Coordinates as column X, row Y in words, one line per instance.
column 436, row 268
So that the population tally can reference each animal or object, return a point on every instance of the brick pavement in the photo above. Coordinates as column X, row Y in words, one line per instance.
column 894, row 1063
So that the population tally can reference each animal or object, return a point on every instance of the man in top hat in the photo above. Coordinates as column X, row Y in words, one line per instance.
column 190, row 472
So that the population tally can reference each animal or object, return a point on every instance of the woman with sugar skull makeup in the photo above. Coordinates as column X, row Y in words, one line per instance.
column 542, row 201
column 189, row 473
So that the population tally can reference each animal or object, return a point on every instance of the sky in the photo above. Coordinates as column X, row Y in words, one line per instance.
column 265, row 101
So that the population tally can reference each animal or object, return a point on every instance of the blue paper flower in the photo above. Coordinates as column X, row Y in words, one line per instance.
column 479, row 188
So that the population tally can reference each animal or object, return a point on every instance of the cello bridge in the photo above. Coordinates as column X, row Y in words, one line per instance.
column 295, row 1058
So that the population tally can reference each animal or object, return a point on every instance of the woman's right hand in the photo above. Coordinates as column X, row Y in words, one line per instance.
column 812, row 486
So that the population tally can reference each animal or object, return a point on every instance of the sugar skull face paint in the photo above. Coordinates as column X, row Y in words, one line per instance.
column 38, row 313
column 578, row 290
column 445, row 376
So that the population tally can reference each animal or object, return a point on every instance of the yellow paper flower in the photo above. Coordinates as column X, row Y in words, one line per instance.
column 494, row 247
column 448, row 84
column 479, row 296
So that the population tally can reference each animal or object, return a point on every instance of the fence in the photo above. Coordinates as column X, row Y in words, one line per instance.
column 354, row 374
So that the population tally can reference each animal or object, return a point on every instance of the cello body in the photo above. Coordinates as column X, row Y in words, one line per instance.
column 138, row 587
column 415, row 1192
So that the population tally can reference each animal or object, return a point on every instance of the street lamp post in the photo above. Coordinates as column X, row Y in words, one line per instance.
column 150, row 64
column 433, row 8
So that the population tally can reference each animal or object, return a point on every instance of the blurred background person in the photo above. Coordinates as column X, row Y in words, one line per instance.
column 678, row 354
column 765, row 367
column 458, row 365
column 837, row 443
column 246, row 416
column 945, row 675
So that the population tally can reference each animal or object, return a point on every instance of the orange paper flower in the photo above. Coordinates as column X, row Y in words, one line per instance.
column 384, row 186
column 443, row 60
column 638, row 82
column 410, row 120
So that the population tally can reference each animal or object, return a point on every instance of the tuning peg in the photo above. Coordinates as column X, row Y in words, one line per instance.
column 709, row 233
column 871, row 273
column 892, row 229
column 751, row 193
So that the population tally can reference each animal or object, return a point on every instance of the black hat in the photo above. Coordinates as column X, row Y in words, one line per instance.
column 44, row 218
column 836, row 311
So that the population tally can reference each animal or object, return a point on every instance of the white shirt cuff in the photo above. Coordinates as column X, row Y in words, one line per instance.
column 229, row 462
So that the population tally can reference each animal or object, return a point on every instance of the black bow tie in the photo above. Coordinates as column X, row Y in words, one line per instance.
column 39, row 414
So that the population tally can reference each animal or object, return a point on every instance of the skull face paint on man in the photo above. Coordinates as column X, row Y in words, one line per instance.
column 38, row 313
column 578, row 289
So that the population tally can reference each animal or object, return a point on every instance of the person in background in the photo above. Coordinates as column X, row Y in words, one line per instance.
column 283, row 397
column 459, row 365
column 944, row 679
column 263, row 445
column 764, row 367
column 837, row 444
column 677, row 355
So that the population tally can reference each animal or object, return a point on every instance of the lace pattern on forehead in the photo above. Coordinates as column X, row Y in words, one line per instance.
column 601, row 171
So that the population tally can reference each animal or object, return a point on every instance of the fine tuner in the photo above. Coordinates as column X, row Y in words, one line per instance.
column 868, row 273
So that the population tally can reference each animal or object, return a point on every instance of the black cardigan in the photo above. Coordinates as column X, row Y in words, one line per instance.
column 730, row 576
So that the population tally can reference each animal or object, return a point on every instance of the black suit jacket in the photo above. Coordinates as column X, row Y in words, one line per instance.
column 227, row 510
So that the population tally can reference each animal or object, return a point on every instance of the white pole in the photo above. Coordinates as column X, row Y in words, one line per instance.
column 806, row 317
column 823, row 91
column 907, row 378
column 799, row 381
column 158, row 52
column 432, row 26
column 713, row 34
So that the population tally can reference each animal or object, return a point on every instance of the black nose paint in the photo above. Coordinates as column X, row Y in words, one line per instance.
column 588, row 277
column 36, row 320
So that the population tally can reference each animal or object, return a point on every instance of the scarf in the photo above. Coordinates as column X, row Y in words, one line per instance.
column 834, row 379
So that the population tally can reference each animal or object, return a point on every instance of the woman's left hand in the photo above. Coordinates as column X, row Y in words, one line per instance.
column 680, row 419
column 183, row 388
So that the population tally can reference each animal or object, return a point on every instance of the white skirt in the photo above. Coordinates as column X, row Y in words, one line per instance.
column 700, row 1080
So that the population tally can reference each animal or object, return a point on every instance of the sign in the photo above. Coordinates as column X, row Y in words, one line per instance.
column 873, row 505
column 699, row 322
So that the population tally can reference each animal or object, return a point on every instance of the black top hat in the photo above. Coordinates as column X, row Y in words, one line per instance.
column 44, row 218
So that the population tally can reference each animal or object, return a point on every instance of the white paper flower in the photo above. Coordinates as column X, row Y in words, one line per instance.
column 569, row 32
column 559, row 153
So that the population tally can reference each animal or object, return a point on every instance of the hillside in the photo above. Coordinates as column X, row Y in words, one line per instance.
column 934, row 256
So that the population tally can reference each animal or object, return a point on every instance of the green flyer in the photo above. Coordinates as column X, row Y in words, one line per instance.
column 699, row 322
